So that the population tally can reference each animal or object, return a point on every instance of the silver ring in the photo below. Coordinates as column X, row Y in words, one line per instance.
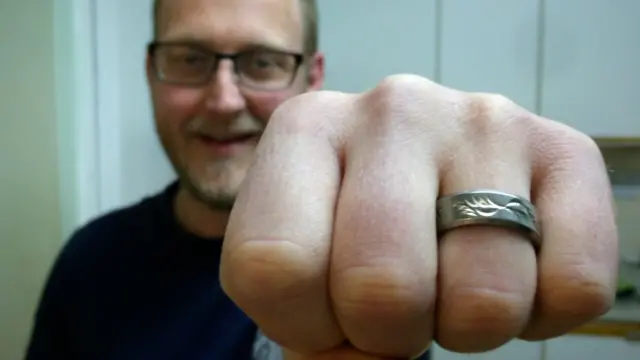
column 487, row 207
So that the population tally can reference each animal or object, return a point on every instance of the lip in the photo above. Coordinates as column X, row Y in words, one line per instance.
column 225, row 146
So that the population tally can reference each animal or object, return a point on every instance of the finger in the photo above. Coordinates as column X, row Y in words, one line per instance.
column 579, row 256
column 487, row 274
column 276, row 251
column 384, row 254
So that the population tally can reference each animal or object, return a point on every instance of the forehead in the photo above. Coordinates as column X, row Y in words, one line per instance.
column 228, row 25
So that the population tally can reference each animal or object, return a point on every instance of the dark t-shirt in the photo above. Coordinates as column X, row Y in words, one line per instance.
column 133, row 285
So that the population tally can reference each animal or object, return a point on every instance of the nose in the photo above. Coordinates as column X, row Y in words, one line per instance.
column 223, row 95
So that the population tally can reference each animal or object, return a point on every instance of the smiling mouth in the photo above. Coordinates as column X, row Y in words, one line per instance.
column 227, row 139
column 228, row 144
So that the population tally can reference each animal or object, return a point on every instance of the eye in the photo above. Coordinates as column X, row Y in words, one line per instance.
column 263, row 61
column 192, row 58
column 266, row 67
column 183, row 56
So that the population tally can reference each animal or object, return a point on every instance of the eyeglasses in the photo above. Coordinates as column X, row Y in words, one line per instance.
column 191, row 65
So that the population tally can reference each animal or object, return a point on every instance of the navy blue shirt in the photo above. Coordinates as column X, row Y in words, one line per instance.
column 133, row 285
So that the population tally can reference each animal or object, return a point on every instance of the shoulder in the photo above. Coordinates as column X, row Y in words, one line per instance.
column 111, row 228
column 108, row 234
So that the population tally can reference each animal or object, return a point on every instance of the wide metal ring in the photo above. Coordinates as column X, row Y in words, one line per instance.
column 487, row 207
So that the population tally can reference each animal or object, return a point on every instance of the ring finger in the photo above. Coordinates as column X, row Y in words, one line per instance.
column 487, row 274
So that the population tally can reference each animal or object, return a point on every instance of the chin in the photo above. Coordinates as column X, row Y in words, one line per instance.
column 212, row 195
column 217, row 186
column 218, row 201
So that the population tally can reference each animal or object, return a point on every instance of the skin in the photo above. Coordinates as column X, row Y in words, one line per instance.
column 351, row 254
column 331, row 245
column 210, row 182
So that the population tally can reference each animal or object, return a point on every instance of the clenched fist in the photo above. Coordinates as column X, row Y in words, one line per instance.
column 333, row 245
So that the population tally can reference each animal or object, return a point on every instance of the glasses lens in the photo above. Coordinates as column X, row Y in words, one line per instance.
column 267, row 70
column 182, row 64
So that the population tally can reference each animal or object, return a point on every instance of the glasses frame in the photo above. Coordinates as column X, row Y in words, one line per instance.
column 153, row 46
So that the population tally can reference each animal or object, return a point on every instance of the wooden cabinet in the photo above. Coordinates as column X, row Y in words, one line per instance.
column 591, row 68
column 583, row 347
column 586, row 347
column 599, row 340
column 575, row 61
column 515, row 350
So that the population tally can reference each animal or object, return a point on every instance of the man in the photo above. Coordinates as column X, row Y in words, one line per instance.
column 346, row 237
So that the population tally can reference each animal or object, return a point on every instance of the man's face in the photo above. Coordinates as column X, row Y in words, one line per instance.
column 209, row 128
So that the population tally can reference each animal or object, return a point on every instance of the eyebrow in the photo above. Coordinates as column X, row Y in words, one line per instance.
column 206, row 45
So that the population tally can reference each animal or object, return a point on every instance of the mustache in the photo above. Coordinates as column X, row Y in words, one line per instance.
column 240, row 125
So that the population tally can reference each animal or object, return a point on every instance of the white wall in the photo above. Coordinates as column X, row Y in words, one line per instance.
column 30, row 227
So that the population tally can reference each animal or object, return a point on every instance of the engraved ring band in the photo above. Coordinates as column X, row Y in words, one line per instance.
column 487, row 207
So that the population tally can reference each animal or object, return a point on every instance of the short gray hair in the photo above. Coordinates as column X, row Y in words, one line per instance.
column 310, row 15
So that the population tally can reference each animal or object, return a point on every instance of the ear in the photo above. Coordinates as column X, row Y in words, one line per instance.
column 315, row 72
column 149, row 69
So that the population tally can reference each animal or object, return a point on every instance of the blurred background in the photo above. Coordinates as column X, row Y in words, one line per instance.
column 76, row 135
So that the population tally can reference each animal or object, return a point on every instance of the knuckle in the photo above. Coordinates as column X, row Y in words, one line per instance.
column 584, row 144
column 258, row 271
column 561, row 149
column 579, row 295
column 479, row 120
column 571, row 138
column 495, row 115
column 367, row 293
column 501, row 104
column 483, row 309
column 402, row 82
column 310, row 113
column 408, row 90
column 393, row 96
column 407, row 102
column 478, row 320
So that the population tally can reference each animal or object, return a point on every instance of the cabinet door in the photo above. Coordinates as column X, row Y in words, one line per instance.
column 592, row 348
column 491, row 46
column 591, row 77
column 517, row 349
column 366, row 40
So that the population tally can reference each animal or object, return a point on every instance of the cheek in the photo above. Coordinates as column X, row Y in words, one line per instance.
column 174, row 107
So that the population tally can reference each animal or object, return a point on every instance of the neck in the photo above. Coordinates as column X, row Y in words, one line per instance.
column 198, row 218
